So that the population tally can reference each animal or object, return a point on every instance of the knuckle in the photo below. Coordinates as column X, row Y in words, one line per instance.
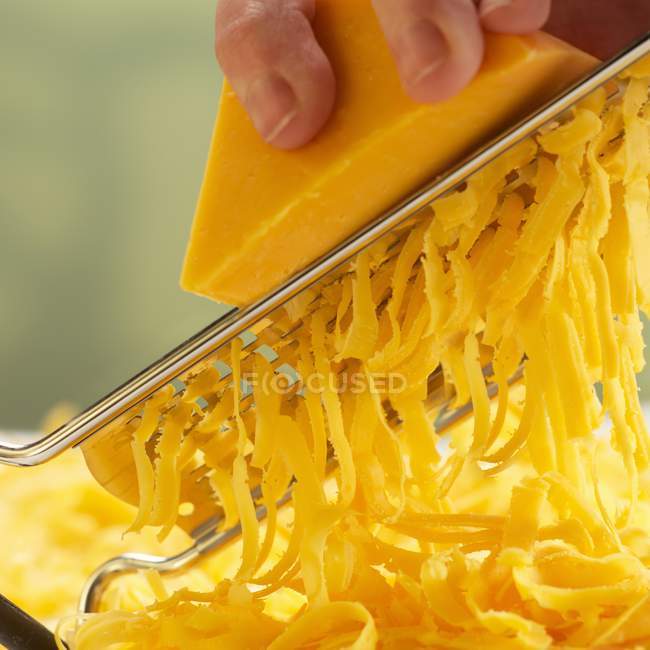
column 235, row 26
column 254, row 25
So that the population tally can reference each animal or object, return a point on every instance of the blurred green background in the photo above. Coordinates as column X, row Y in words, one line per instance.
column 106, row 112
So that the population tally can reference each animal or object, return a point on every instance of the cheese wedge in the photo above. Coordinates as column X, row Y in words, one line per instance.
column 264, row 214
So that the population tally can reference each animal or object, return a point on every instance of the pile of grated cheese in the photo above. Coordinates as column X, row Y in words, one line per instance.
column 59, row 526
column 527, row 529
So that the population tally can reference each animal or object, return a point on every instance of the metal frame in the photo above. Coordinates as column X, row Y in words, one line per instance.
column 237, row 321
column 207, row 538
column 100, row 579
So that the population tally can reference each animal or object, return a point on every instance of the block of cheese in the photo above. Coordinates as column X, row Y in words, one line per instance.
column 264, row 214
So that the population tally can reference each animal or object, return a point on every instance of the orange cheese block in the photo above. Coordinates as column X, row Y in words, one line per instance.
column 264, row 214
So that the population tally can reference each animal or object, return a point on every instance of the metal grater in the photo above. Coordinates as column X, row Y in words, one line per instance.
column 103, row 431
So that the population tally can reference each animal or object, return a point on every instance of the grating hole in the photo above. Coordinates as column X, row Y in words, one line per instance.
column 267, row 352
column 202, row 403
column 224, row 369
column 247, row 338
column 178, row 385
column 246, row 388
column 186, row 509
column 289, row 372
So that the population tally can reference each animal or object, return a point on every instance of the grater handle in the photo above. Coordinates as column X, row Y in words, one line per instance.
column 18, row 630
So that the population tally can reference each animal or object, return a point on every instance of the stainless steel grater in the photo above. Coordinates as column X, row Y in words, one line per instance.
column 264, row 328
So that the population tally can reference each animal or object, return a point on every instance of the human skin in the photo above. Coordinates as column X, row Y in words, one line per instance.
column 269, row 53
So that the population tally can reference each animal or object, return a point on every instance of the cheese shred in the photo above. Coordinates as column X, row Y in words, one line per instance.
column 526, row 525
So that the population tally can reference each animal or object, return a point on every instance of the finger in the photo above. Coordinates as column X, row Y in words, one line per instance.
column 514, row 16
column 438, row 44
column 269, row 53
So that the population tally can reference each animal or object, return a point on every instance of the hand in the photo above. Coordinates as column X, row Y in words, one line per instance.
column 268, row 51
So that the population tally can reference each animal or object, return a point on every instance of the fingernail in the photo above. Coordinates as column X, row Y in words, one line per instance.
column 424, row 49
column 271, row 104
column 488, row 6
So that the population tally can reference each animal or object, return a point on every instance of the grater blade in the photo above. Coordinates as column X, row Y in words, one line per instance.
column 119, row 407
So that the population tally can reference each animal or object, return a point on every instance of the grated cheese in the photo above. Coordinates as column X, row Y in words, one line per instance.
column 527, row 530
